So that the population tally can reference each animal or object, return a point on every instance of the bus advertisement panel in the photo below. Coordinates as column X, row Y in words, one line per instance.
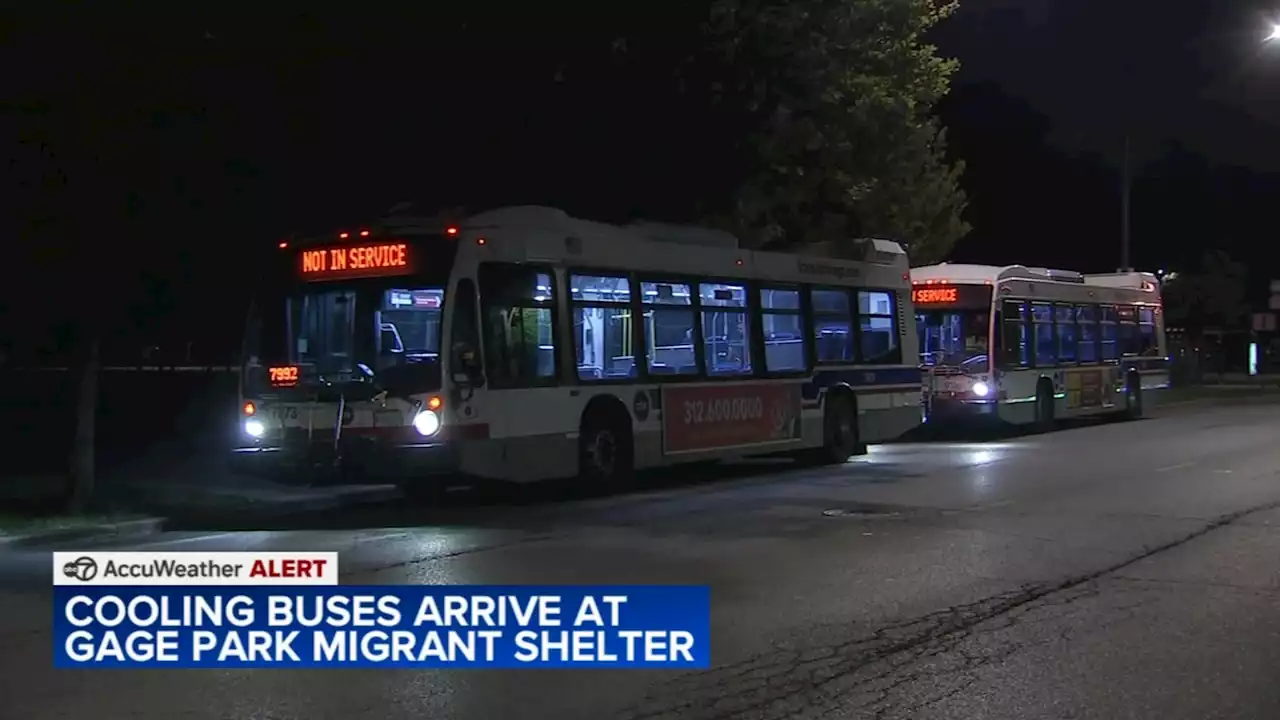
column 711, row 418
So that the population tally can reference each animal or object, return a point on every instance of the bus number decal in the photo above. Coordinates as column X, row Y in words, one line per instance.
column 707, row 418
column 738, row 409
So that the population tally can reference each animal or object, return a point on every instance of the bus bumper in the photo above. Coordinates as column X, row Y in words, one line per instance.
column 351, row 462
column 949, row 410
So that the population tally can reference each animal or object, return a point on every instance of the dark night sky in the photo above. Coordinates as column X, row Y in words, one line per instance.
column 1194, row 70
column 237, row 132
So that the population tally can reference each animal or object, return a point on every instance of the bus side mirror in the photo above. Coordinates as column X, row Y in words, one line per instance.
column 467, row 370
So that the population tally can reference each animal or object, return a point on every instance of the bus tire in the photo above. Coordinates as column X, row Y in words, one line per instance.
column 1045, row 409
column 1133, row 396
column 606, row 447
column 840, row 437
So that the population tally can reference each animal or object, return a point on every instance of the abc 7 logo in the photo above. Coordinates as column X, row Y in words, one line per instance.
column 83, row 569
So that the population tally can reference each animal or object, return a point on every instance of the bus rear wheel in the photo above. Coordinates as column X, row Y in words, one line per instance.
column 840, row 438
column 1133, row 397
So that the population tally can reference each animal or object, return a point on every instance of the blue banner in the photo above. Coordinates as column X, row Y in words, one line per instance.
column 383, row 626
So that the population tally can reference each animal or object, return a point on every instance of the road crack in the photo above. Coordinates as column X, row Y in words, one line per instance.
column 862, row 673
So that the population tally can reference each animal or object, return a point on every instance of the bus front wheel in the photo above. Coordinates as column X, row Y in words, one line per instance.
column 606, row 455
column 1044, row 407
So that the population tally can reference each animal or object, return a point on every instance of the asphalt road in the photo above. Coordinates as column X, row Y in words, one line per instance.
column 1109, row 571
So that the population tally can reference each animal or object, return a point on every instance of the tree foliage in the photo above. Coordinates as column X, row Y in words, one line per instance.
column 1211, row 296
column 838, row 98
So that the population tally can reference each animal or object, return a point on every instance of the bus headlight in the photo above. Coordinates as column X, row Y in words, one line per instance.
column 981, row 389
column 427, row 423
column 254, row 428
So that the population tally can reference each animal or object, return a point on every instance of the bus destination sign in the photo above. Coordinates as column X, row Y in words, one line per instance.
column 355, row 261
column 935, row 295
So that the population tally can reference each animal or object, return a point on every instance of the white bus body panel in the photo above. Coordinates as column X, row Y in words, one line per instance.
column 533, row 432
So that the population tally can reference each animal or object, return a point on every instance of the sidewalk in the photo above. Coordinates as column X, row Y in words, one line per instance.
column 151, row 495
column 205, row 486
column 238, row 496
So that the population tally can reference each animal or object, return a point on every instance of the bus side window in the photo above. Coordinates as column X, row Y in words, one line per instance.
column 518, row 302
column 669, row 328
column 602, row 329
column 1046, row 340
column 785, row 346
column 1130, row 343
column 1086, row 321
column 1014, row 348
column 877, row 328
column 1065, row 318
column 1147, row 344
column 1108, row 333
column 726, row 328
column 832, row 324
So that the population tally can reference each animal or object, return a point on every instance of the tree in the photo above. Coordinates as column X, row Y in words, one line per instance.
column 88, row 123
column 1212, row 295
column 837, row 99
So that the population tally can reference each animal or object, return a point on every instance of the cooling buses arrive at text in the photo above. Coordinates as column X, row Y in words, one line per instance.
column 522, row 344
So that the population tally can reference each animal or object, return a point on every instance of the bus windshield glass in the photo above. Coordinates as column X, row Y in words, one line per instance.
column 953, row 324
column 324, row 328
column 383, row 332
column 954, row 338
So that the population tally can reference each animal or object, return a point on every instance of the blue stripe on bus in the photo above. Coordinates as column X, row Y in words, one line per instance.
column 857, row 378
column 812, row 390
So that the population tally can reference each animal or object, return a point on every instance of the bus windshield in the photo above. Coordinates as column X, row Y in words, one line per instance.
column 383, row 333
column 954, row 338
column 324, row 328
column 342, row 335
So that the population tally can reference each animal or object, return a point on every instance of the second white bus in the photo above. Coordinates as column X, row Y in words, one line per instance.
column 1032, row 345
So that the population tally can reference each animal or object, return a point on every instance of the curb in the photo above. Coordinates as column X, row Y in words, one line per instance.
column 129, row 529
column 144, row 527
column 324, row 502
column 223, row 507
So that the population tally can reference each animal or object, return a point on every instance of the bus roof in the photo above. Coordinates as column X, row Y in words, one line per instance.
column 547, row 234
column 964, row 274
column 542, row 234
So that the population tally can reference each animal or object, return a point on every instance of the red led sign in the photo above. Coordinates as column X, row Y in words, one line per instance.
column 286, row 376
column 935, row 295
column 354, row 261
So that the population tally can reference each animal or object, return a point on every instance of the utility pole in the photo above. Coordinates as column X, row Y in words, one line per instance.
column 1126, row 187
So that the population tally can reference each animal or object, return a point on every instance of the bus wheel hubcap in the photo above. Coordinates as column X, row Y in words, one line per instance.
column 602, row 453
column 843, row 430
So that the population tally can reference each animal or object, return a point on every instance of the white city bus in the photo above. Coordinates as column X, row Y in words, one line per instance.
column 522, row 344
column 1032, row 345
